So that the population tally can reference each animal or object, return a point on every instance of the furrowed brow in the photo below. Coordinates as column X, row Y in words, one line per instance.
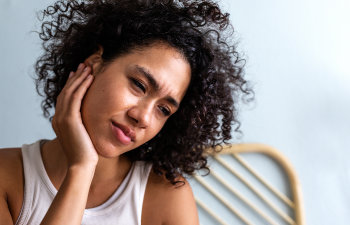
column 154, row 84
column 148, row 76
column 172, row 102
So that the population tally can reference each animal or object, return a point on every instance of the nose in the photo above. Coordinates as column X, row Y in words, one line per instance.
column 141, row 114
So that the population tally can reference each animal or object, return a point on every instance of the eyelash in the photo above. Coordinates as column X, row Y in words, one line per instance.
column 138, row 84
column 165, row 111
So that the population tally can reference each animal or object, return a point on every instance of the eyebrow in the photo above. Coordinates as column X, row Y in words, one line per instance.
column 154, row 84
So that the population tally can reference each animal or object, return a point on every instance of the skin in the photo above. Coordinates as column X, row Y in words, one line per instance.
column 84, row 161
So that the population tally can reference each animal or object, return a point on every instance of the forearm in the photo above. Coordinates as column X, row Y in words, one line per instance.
column 68, row 205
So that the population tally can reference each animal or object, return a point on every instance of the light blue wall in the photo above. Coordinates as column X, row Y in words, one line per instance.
column 20, row 114
column 297, row 56
column 298, row 53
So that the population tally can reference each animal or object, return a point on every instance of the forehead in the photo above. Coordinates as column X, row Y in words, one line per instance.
column 165, row 64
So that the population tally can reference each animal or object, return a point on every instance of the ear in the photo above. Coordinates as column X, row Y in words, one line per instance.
column 95, row 60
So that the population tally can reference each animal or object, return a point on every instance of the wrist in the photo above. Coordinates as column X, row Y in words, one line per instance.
column 82, row 168
column 83, row 163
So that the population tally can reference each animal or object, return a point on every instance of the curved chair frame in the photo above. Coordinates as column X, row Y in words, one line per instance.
column 296, row 203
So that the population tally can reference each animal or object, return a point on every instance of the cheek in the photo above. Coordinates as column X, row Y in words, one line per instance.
column 105, row 99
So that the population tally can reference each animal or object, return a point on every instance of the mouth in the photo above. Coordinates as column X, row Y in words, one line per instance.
column 123, row 133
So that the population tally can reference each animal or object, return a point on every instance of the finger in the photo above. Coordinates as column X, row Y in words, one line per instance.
column 77, row 78
column 64, row 99
column 78, row 95
column 73, row 74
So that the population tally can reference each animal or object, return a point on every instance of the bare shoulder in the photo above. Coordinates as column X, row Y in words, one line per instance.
column 11, row 170
column 10, row 165
column 11, row 179
column 173, row 204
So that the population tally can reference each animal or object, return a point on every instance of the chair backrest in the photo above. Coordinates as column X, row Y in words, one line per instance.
column 269, row 205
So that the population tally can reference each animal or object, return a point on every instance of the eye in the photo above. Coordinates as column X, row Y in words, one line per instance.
column 164, row 110
column 139, row 85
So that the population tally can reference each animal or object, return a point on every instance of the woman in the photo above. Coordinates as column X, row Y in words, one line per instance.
column 139, row 89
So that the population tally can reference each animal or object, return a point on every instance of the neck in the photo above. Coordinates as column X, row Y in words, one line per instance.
column 107, row 170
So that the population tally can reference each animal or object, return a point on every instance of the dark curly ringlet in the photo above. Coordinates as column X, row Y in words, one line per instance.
column 73, row 30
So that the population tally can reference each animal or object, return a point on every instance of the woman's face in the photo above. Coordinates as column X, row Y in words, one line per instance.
column 132, row 97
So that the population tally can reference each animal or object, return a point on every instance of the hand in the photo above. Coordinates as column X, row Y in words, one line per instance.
column 67, row 121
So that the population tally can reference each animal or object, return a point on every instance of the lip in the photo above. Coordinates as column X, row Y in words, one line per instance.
column 123, row 133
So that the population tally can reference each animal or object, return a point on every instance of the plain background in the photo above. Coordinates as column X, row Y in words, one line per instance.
column 297, row 59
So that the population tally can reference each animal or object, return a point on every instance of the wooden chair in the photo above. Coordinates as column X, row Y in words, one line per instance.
column 236, row 153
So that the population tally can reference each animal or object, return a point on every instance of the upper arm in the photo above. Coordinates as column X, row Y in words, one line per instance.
column 181, row 206
column 166, row 204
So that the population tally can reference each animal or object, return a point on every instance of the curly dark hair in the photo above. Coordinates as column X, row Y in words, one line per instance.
column 73, row 30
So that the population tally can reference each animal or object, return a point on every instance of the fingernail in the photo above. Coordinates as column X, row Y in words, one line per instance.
column 85, row 68
column 71, row 74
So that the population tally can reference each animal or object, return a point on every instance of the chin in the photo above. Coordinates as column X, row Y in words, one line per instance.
column 107, row 149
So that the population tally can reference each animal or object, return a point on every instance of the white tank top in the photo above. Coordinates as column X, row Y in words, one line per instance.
column 122, row 208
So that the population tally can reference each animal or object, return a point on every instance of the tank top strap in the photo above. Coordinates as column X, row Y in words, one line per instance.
column 35, row 190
